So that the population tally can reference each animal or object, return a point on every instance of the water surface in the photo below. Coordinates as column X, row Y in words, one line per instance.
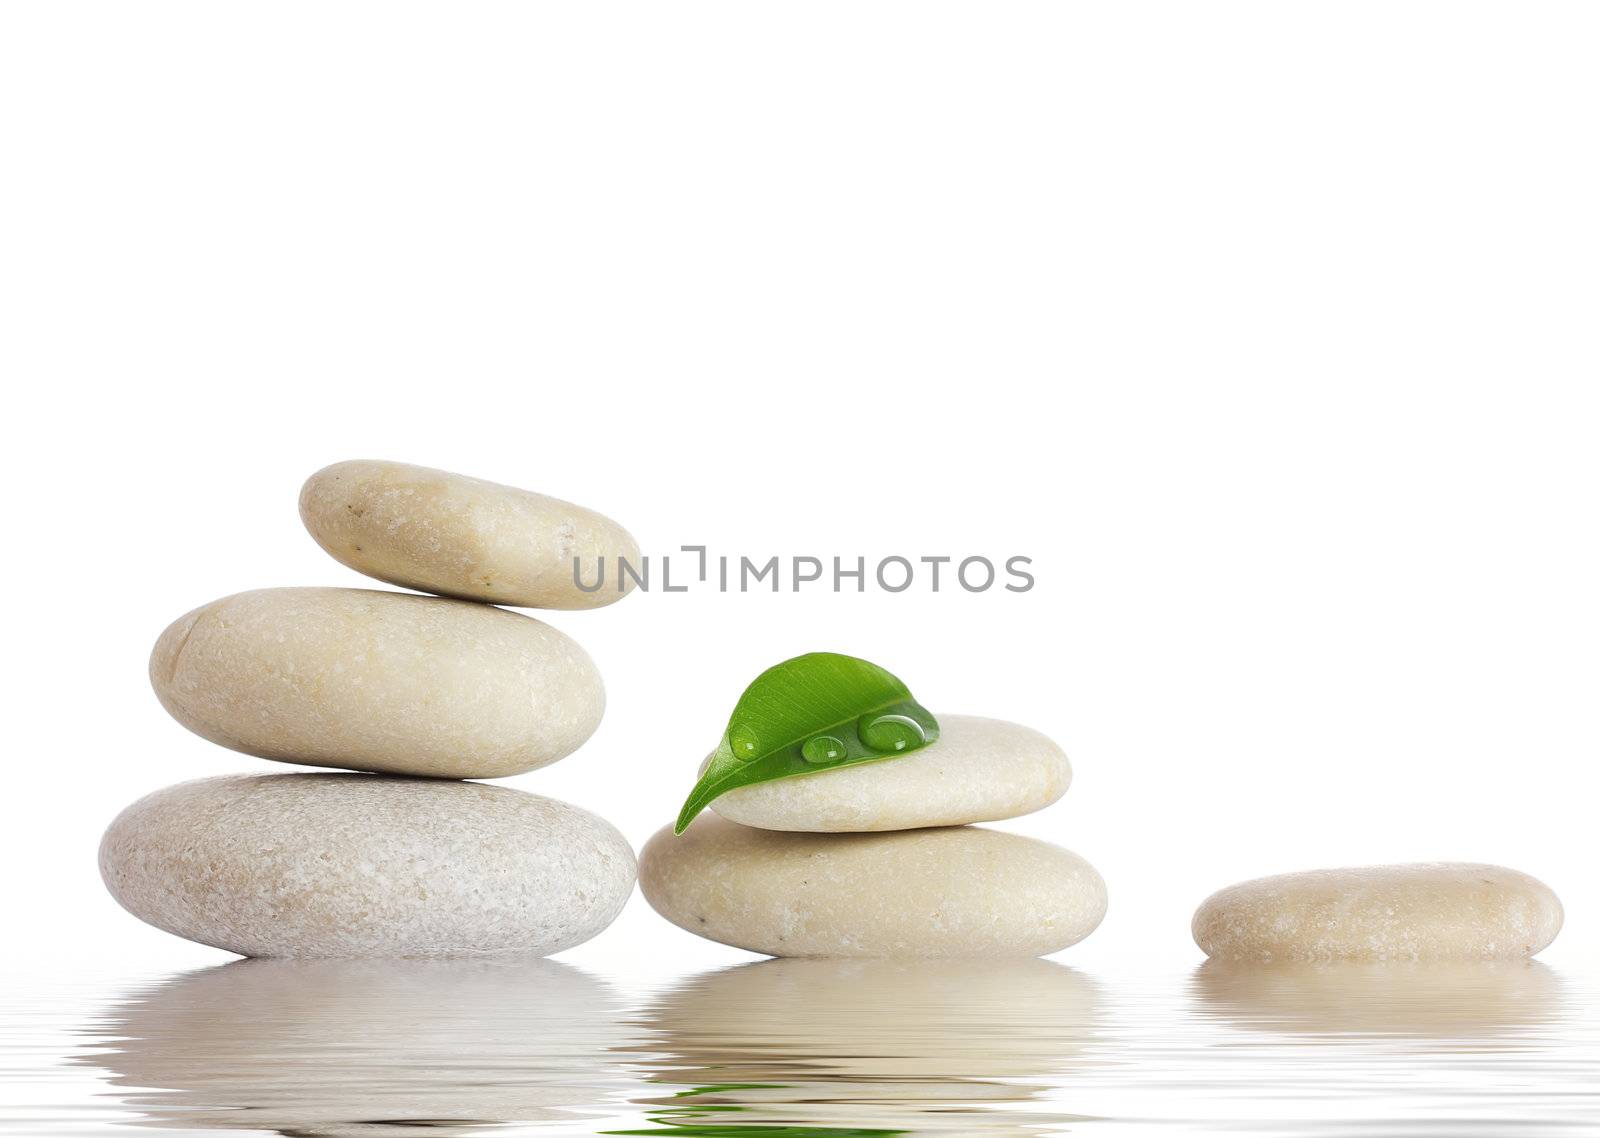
column 798, row 1048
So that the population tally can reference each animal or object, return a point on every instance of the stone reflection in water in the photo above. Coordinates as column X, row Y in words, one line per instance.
column 369, row 1048
column 1448, row 1002
column 867, row 1047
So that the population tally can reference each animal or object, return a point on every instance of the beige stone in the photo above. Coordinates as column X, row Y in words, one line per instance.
column 958, row 891
column 378, row 681
column 979, row 770
column 1431, row 911
column 463, row 537
column 367, row 1048
column 354, row 865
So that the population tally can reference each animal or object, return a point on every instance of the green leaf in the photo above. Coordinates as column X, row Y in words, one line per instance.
column 811, row 714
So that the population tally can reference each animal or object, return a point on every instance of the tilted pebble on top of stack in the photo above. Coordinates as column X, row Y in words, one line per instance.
column 309, row 865
column 879, row 859
column 463, row 537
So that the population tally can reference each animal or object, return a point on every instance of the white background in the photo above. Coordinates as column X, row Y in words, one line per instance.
column 1267, row 330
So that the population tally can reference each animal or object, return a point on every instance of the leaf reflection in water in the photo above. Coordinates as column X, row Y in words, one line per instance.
column 802, row 1048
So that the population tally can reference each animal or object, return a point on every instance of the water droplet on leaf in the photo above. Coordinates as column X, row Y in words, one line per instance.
column 744, row 743
column 890, row 733
column 822, row 749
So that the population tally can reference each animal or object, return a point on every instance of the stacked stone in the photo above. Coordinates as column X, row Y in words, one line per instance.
column 881, row 859
column 421, row 692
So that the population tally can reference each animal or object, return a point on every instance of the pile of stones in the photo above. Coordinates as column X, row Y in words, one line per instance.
column 421, row 692
column 880, row 859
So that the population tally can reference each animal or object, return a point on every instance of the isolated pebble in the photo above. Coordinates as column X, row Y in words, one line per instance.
column 464, row 537
column 368, row 1048
column 349, row 865
column 378, row 681
column 979, row 770
column 957, row 891
column 1437, row 910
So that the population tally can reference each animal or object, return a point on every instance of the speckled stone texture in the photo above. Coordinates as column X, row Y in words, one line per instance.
column 347, row 865
column 979, row 770
column 463, row 537
column 958, row 891
column 347, row 1048
column 1432, row 911
column 378, row 681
